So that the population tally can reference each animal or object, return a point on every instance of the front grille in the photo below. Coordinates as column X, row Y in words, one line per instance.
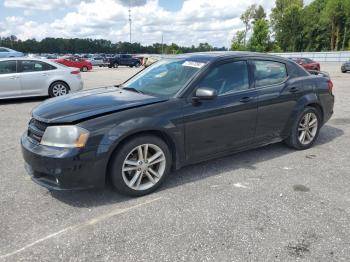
column 36, row 129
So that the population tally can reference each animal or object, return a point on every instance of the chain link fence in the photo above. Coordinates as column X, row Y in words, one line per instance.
column 340, row 56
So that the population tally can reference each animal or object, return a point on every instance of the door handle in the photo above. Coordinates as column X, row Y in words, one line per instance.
column 245, row 99
column 293, row 90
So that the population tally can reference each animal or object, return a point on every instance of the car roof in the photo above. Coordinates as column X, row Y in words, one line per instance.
column 7, row 48
column 218, row 55
column 25, row 58
column 32, row 59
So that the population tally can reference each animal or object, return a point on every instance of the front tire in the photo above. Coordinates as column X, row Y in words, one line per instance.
column 305, row 129
column 84, row 69
column 58, row 89
column 140, row 165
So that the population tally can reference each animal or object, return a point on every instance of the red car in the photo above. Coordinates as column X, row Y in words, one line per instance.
column 75, row 62
column 307, row 63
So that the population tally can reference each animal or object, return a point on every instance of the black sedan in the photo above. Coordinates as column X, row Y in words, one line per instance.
column 177, row 112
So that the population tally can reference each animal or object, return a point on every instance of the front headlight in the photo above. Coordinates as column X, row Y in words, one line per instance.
column 65, row 136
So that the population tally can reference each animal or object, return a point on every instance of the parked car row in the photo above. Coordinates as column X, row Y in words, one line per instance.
column 25, row 77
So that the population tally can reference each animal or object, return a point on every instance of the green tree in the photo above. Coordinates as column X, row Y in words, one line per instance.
column 279, row 25
column 334, row 13
column 347, row 23
column 259, row 13
column 315, row 31
column 260, row 40
column 238, row 42
column 246, row 18
column 292, row 24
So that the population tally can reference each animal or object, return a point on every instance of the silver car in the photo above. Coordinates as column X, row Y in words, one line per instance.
column 7, row 52
column 24, row 77
column 97, row 61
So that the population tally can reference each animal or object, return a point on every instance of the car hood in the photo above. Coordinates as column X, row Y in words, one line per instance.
column 89, row 104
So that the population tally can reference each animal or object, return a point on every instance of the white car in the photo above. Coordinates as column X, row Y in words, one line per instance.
column 7, row 52
column 25, row 77
column 97, row 61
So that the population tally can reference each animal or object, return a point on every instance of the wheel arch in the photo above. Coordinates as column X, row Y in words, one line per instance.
column 309, row 100
column 153, row 132
column 57, row 81
column 319, row 108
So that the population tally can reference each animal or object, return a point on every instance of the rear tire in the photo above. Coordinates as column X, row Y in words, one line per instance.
column 131, row 170
column 84, row 69
column 305, row 129
column 58, row 89
column 137, row 65
column 116, row 65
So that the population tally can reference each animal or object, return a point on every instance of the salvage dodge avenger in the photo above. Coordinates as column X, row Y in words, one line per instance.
column 177, row 112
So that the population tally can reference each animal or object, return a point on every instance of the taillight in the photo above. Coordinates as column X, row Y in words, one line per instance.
column 76, row 72
column 330, row 86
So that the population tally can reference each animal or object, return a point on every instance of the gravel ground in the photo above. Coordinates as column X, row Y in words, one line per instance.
column 268, row 204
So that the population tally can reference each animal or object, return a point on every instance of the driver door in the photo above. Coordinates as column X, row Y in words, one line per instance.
column 228, row 121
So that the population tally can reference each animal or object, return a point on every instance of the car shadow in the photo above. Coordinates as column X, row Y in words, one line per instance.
column 23, row 100
column 244, row 160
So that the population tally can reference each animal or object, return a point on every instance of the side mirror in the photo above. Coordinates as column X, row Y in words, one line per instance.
column 204, row 93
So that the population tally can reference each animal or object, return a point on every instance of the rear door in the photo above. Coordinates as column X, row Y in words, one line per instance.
column 277, row 96
column 9, row 79
column 34, row 77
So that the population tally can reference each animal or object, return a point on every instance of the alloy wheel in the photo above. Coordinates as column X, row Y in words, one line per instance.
column 143, row 167
column 307, row 129
column 59, row 90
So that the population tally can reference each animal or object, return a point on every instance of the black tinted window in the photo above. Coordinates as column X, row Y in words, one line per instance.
column 3, row 50
column 226, row 78
column 7, row 67
column 269, row 73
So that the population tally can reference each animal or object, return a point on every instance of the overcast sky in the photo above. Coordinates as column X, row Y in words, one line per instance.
column 184, row 22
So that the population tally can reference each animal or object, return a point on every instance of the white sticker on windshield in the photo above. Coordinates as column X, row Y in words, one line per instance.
column 193, row 64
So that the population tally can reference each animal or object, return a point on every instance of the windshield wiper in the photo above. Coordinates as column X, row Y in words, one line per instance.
column 132, row 89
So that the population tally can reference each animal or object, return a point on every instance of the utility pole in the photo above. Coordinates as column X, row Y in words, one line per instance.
column 162, row 45
column 130, row 20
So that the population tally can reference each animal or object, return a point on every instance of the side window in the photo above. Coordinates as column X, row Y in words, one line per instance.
column 49, row 67
column 33, row 66
column 3, row 50
column 308, row 60
column 227, row 78
column 269, row 73
column 8, row 67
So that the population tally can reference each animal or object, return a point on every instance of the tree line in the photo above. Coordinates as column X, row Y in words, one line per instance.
column 76, row 45
column 322, row 25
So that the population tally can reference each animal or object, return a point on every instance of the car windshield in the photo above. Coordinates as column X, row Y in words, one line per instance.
column 164, row 78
